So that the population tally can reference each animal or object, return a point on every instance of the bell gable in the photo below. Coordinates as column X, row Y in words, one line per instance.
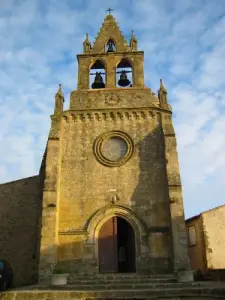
column 110, row 31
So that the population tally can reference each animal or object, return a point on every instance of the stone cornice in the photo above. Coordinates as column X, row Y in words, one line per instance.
column 126, row 53
column 153, row 108
column 73, row 232
column 113, row 114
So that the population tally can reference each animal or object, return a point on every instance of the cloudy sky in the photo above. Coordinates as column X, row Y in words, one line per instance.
column 184, row 43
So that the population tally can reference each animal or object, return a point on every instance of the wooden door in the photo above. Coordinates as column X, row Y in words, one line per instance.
column 107, row 247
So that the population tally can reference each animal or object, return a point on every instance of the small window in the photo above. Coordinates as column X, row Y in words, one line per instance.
column 192, row 235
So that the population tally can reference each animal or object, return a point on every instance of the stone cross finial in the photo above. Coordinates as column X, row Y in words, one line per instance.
column 109, row 10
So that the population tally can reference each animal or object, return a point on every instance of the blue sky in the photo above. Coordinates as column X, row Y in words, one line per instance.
column 184, row 43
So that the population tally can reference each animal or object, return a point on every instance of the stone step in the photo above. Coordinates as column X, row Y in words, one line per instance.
column 124, row 278
column 121, row 276
column 118, row 281
column 118, row 275
column 128, row 286
column 115, row 282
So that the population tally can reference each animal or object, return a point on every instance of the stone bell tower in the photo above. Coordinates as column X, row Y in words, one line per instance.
column 112, row 196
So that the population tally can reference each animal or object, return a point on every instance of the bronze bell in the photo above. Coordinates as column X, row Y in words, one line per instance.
column 110, row 48
column 123, row 81
column 98, row 83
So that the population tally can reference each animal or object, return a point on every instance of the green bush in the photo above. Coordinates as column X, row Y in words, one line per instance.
column 58, row 271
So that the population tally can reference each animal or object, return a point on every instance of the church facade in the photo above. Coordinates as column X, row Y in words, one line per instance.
column 108, row 198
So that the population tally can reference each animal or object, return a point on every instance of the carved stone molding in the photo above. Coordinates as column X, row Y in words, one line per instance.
column 55, row 118
column 112, row 99
column 88, row 116
column 53, row 135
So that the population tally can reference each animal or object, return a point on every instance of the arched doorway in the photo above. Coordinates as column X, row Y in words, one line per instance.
column 116, row 246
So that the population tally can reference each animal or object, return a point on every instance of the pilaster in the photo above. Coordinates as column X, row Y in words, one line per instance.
column 48, row 250
column 180, row 247
column 110, row 73
column 83, row 72
column 138, row 71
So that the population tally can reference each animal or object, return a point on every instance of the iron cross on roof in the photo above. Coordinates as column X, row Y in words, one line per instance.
column 109, row 10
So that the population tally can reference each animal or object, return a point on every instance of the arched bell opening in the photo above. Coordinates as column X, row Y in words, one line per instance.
column 110, row 46
column 116, row 246
column 124, row 74
column 97, row 75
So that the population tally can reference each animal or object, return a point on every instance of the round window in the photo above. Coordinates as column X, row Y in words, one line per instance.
column 113, row 148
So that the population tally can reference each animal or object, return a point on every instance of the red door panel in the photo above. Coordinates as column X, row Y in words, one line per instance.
column 107, row 246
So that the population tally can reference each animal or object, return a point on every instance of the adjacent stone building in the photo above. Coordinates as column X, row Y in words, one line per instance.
column 206, row 233
column 108, row 197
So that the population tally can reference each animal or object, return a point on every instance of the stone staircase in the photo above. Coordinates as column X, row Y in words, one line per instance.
column 119, row 282
column 120, row 286
column 137, row 286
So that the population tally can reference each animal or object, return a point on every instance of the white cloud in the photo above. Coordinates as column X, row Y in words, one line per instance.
column 184, row 43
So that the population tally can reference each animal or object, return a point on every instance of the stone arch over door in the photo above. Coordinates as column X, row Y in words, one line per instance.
column 95, row 223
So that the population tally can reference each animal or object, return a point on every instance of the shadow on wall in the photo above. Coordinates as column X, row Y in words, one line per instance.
column 114, row 251
column 70, row 258
column 20, row 215
column 150, row 199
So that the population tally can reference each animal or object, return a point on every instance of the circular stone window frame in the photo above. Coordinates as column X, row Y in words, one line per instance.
column 103, row 138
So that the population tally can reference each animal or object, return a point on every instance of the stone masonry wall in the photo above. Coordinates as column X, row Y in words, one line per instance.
column 20, row 211
column 180, row 247
column 213, row 227
column 197, row 251
column 86, row 185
